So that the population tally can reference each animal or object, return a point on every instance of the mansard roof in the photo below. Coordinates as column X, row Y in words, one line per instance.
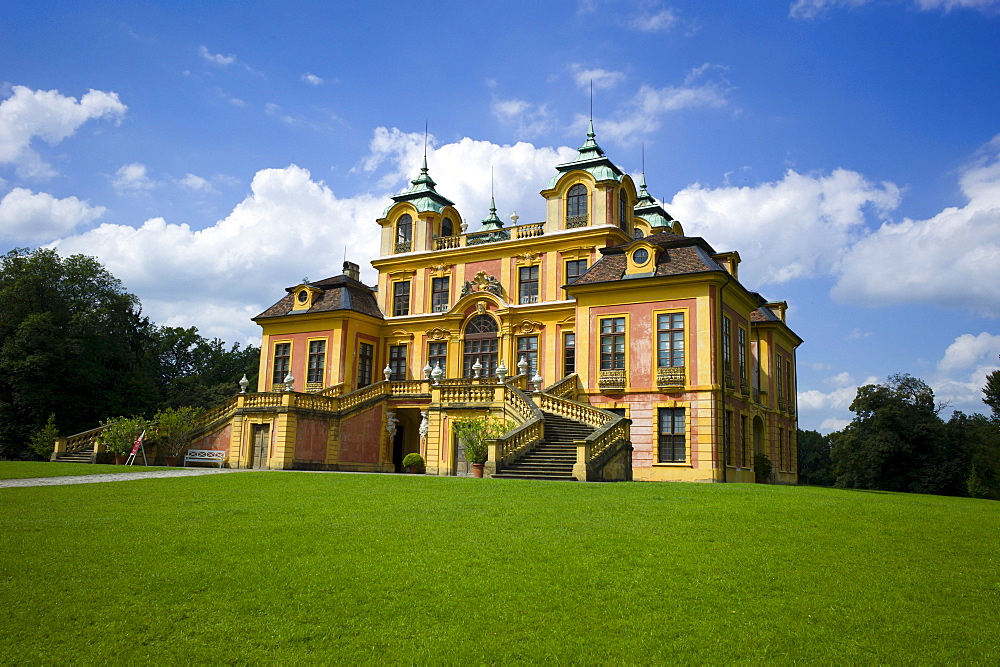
column 338, row 293
column 679, row 255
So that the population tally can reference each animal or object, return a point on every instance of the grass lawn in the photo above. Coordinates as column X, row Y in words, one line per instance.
column 25, row 469
column 276, row 567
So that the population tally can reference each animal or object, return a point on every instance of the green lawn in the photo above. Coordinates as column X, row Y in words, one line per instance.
column 25, row 469
column 264, row 567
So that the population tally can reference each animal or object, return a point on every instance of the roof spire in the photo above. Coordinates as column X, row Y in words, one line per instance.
column 493, row 221
column 590, row 149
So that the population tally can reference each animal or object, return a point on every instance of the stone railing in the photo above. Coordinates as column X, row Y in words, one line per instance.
column 601, row 447
column 525, row 436
column 408, row 387
column 530, row 230
column 363, row 395
column 467, row 393
column 87, row 441
column 671, row 376
column 568, row 387
column 574, row 410
column 447, row 242
column 333, row 390
column 315, row 402
column 269, row 400
column 613, row 379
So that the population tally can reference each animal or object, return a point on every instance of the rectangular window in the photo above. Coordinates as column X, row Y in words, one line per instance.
column 401, row 298
column 366, row 358
column 282, row 361
column 569, row 354
column 612, row 343
column 528, row 284
column 527, row 347
column 317, row 360
column 575, row 268
column 672, row 441
column 670, row 340
column 437, row 355
column 727, row 343
column 439, row 295
column 778, row 376
column 727, row 437
column 788, row 384
column 397, row 362
column 741, row 341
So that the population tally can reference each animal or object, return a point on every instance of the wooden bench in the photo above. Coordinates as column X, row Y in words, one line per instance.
column 205, row 456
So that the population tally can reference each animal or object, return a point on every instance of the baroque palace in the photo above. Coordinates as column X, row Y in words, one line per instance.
column 616, row 346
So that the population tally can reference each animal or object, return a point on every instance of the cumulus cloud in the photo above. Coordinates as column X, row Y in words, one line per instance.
column 969, row 351
column 652, row 17
column 643, row 114
column 948, row 260
column 216, row 58
column 602, row 79
column 792, row 228
column 962, row 371
column 312, row 79
column 50, row 116
column 27, row 217
column 808, row 9
column 813, row 403
column 462, row 171
column 218, row 277
column 132, row 178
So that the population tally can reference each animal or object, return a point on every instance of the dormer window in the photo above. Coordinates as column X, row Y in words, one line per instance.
column 576, row 206
column 447, row 228
column 640, row 256
column 303, row 296
column 404, row 233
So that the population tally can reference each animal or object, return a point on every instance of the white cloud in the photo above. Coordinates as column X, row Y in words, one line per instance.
column 950, row 259
column 808, row 9
column 962, row 371
column 643, row 114
column 462, row 171
column 216, row 58
column 813, row 403
column 531, row 119
column 217, row 278
column 132, row 178
column 26, row 216
column 969, row 351
column 312, row 79
column 652, row 17
column 603, row 79
column 198, row 184
column 818, row 215
column 50, row 116
column 858, row 334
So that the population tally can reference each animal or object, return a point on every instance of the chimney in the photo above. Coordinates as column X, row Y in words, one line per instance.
column 352, row 271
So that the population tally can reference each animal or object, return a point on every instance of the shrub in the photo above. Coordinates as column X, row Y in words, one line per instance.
column 475, row 431
column 172, row 426
column 762, row 465
column 120, row 433
column 43, row 441
column 413, row 460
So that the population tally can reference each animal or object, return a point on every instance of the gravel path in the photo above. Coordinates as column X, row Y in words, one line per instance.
column 115, row 477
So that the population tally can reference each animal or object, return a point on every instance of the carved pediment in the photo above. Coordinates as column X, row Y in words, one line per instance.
column 527, row 327
column 437, row 333
column 483, row 283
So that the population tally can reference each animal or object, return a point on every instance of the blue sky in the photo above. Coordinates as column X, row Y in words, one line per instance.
column 211, row 154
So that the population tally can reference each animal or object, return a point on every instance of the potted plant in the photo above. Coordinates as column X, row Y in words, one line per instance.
column 171, row 427
column 474, row 433
column 762, row 466
column 119, row 436
column 413, row 463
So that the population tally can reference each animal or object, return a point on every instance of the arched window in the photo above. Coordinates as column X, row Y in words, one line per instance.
column 576, row 206
column 404, row 233
column 482, row 345
column 447, row 229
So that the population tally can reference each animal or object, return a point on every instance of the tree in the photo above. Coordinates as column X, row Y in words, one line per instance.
column 978, row 437
column 191, row 370
column 814, row 458
column 72, row 343
column 991, row 393
column 897, row 442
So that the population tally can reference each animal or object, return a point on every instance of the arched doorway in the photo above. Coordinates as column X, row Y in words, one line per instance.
column 482, row 345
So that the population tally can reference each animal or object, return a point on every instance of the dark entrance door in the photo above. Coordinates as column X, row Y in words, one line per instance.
column 397, row 446
column 261, row 438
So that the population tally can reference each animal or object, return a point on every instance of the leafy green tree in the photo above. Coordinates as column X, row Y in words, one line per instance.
column 991, row 393
column 44, row 439
column 815, row 467
column 978, row 437
column 897, row 442
column 192, row 370
column 120, row 433
column 171, row 428
column 72, row 342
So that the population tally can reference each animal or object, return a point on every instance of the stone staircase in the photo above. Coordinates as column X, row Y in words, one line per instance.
column 75, row 457
column 553, row 459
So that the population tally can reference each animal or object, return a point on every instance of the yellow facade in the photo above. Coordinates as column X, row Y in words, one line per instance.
column 636, row 331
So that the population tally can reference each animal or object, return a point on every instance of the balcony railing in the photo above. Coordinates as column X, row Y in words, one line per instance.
column 480, row 238
column 446, row 242
column 613, row 379
column 574, row 221
column 744, row 386
column 730, row 380
column 670, row 377
column 530, row 231
column 403, row 246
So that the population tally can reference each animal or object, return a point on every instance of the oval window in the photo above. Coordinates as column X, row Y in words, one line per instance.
column 303, row 296
column 640, row 256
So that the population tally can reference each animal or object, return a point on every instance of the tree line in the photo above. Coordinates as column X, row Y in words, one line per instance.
column 76, row 350
column 898, row 441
